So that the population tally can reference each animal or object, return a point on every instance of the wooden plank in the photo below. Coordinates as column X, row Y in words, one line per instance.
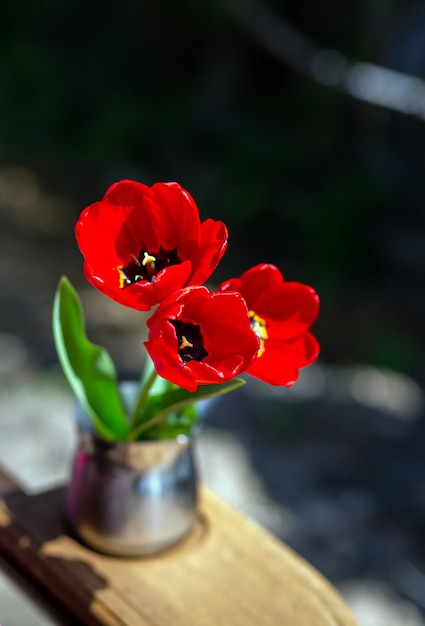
column 228, row 571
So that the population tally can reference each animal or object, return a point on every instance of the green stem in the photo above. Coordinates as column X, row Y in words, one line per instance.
column 137, row 431
column 142, row 398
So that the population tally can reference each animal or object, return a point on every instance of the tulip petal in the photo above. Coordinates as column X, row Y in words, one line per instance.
column 134, row 223
column 290, row 309
column 281, row 361
column 281, row 314
column 223, row 344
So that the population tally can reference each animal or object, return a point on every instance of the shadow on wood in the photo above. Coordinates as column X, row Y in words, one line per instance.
column 228, row 570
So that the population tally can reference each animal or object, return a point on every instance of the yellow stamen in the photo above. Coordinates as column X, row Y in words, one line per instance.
column 185, row 344
column 258, row 325
column 123, row 277
column 148, row 259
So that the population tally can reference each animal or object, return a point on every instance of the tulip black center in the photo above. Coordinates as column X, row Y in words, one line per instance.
column 147, row 265
column 189, row 341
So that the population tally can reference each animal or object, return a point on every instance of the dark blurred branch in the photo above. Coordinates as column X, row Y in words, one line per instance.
column 365, row 81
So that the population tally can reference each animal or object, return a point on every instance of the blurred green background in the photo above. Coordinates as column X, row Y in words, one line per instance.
column 327, row 187
column 248, row 107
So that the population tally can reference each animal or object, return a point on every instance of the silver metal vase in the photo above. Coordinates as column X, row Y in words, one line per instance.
column 132, row 498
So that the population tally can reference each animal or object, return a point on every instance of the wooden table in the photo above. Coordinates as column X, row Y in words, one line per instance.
column 228, row 572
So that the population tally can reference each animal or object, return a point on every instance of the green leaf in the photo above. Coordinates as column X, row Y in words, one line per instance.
column 157, row 407
column 176, row 423
column 89, row 368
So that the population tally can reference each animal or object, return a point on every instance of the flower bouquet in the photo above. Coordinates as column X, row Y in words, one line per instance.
column 146, row 248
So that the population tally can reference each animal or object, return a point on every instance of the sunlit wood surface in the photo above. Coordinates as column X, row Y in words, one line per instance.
column 228, row 572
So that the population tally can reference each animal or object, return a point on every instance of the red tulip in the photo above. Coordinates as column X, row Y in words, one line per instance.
column 142, row 243
column 197, row 337
column 281, row 314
